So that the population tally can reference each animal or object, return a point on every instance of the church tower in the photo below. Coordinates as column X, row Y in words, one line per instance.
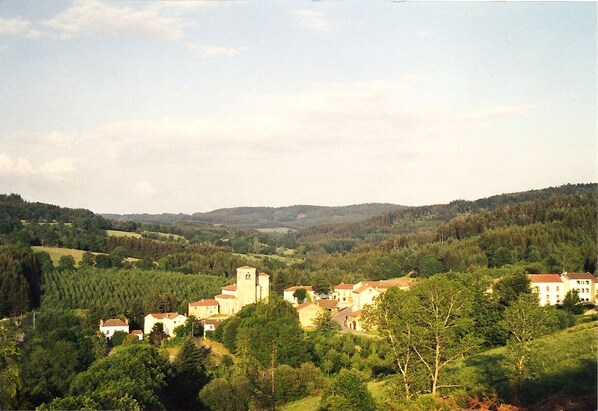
column 251, row 287
column 246, row 286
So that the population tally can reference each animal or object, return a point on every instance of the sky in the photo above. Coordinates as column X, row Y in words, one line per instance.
column 182, row 107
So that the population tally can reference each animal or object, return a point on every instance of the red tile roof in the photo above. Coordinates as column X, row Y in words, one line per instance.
column 226, row 296
column 580, row 276
column 264, row 275
column 204, row 303
column 301, row 306
column 296, row 287
column 325, row 303
column 114, row 322
column 137, row 332
column 232, row 287
column 545, row 278
column 355, row 314
column 343, row 286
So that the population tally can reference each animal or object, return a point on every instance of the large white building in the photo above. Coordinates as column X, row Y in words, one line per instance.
column 552, row 288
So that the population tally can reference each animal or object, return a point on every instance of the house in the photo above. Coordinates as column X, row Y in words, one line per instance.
column 138, row 334
column 365, row 292
column 109, row 327
column 343, row 293
column 250, row 288
column 169, row 321
column 583, row 283
column 308, row 312
column 204, row 308
column 211, row 324
column 288, row 294
column 353, row 321
column 550, row 288
column 327, row 304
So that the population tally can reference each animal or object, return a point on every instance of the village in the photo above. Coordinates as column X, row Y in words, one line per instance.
column 345, row 303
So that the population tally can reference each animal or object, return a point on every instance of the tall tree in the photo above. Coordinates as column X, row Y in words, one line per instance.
column 443, row 330
column 300, row 295
column 525, row 320
column 189, row 376
column 9, row 369
column 392, row 315
column 510, row 286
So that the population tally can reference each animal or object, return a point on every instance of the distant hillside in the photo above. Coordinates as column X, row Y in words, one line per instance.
column 408, row 220
column 293, row 217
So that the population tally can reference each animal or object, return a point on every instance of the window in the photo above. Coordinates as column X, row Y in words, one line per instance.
column 547, row 288
column 248, row 276
column 557, row 288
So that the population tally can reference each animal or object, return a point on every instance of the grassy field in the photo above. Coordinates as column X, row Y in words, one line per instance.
column 275, row 230
column 164, row 236
column 57, row 252
column 115, row 233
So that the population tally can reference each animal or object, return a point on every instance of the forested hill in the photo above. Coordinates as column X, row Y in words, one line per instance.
column 292, row 217
column 410, row 220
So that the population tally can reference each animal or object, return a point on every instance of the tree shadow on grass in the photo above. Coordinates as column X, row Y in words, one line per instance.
column 569, row 389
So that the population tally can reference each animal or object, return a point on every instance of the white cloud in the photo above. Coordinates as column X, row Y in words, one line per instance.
column 59, row 165
column 334, row 134
column 144, row 188
column 23, row 166
column 214, row 51
column 18, row 27
column 313, row 20
column 95, row 18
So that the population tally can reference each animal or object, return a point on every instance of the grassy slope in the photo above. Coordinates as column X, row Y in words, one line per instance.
column 57, row 252
column 569, row 369
column 115, row 233
column 568, row 360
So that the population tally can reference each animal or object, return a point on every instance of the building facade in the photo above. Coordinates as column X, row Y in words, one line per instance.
column 552, row 288
column 250, row 288
column 169, row 321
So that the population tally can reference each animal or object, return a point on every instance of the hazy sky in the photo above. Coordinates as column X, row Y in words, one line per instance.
column 184, row 107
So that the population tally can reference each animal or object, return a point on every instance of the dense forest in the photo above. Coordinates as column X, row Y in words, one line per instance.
column 84, row 267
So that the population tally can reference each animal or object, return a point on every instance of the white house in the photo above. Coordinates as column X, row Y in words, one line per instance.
column 550, row 288
column 343, row 293
column 365, row 292
column 138, row 334
column 109, row 327
column 583, row 283
column 169, row 321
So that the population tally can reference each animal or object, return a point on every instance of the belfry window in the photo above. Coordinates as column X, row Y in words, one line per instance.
column 248, row 276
